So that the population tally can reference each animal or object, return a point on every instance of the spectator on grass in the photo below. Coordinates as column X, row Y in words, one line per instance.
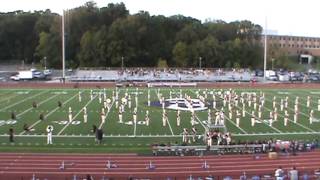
column 293, row 174
column 11, row 134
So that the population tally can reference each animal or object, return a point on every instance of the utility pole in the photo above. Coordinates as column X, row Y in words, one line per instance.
column 63, row 50
column 265, row 52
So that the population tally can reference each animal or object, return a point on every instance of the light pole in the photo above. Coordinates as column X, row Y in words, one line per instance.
column 200, row 58
column 265, row 52
column 122, row 62
column 272, row 60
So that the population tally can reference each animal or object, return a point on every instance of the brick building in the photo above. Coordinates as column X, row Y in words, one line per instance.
column 294, row 45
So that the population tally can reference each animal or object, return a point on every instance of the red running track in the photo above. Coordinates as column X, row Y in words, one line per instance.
column 46, row 166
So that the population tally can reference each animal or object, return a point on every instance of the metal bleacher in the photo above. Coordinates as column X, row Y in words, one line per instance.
column 150, row 76
column 177, row 150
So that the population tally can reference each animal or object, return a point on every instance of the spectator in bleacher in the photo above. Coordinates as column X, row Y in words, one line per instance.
column 293, row 174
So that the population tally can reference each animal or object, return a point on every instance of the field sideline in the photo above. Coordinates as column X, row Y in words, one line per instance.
column 79, row 134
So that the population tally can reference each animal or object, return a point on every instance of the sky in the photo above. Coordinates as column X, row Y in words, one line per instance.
column 283, row 17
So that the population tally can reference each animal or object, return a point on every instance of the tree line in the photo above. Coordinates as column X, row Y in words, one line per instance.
column 106, row 36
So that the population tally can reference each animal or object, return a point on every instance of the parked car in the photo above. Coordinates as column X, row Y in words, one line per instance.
column 272, row 78
column 259, row 73
column 47, row 72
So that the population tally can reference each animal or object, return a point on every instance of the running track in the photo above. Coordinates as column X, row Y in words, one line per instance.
column 46, row 166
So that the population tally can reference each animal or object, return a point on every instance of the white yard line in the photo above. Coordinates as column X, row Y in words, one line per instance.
column 261, row 120
column 51, row 112
column 106, row 115
column 200, row 122
column 7, row 107
column 162, row 136
column 9, row 97
column 245, row 132
column 38, row 105
column 169, row 125
column 292, row 120
column 76, row 115
column 233, row 123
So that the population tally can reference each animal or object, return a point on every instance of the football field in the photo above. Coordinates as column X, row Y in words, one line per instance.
column 77, row 134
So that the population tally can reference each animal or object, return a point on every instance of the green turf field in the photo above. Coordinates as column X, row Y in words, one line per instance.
column 78, row 137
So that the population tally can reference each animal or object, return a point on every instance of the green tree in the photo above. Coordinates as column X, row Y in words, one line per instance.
column 180, row 54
